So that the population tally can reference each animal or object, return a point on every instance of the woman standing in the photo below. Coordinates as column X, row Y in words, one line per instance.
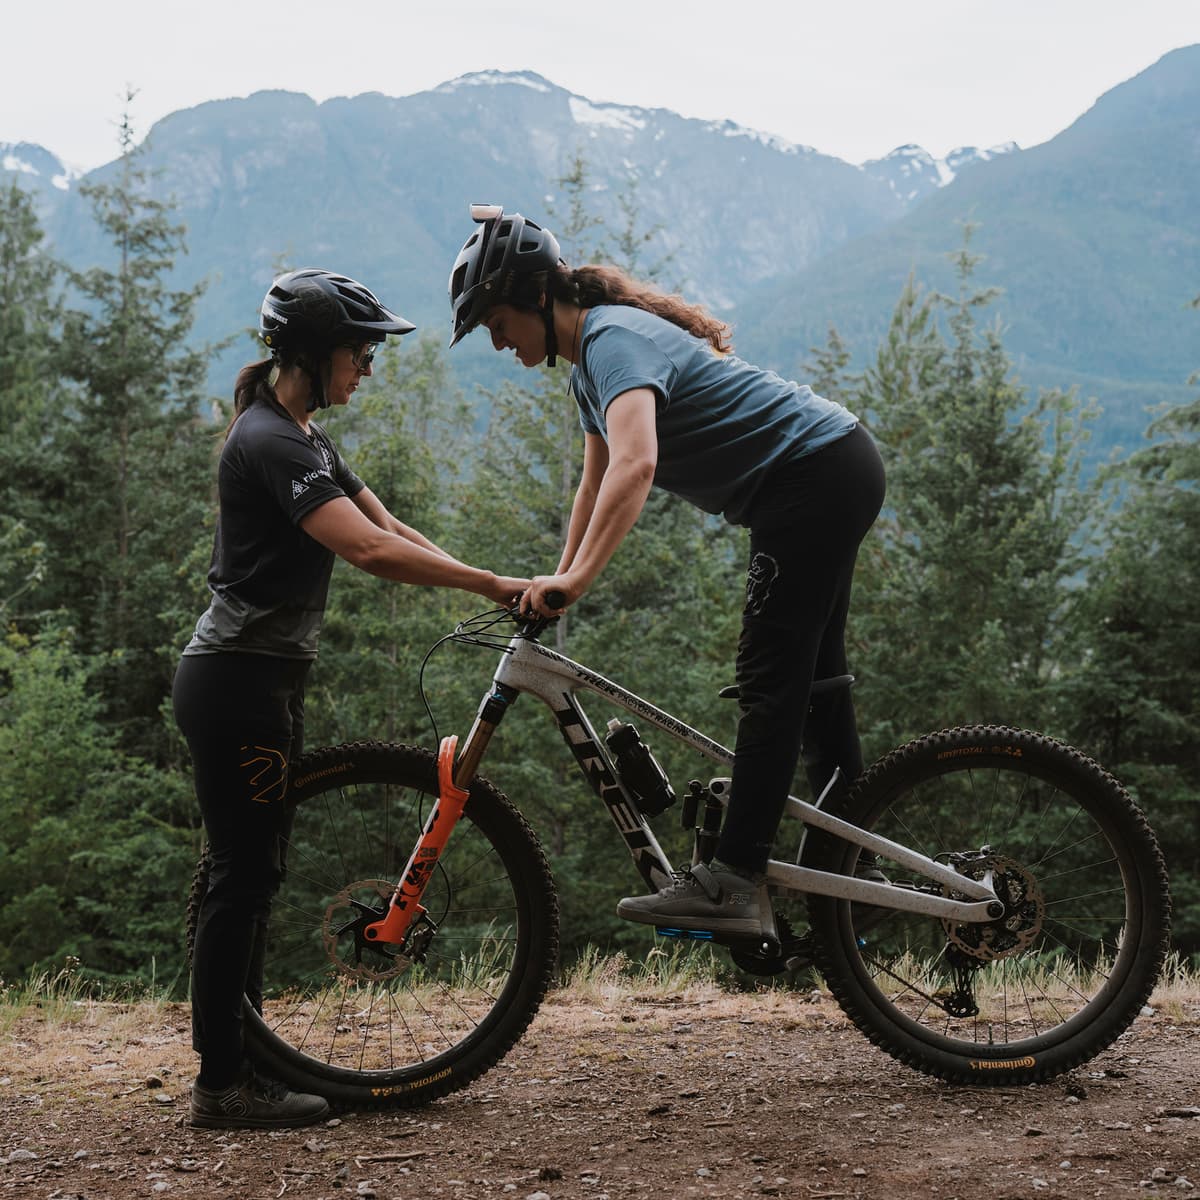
column 663, row 402
column 288, row 505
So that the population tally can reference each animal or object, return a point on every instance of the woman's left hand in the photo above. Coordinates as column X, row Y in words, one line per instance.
column 534, row 599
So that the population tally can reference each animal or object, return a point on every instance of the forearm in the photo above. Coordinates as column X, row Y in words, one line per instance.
column 418, row 539
column 618, row 504
column 581, row 516
column 375, row 511
column 405, row 559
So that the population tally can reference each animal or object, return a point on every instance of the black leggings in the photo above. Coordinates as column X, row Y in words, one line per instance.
column 805, row 530
column 243, row 717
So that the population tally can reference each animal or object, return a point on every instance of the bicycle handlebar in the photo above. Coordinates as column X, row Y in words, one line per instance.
column 532, row 626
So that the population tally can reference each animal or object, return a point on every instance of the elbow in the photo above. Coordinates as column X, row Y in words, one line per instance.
column 640, row 472
column 368, row 554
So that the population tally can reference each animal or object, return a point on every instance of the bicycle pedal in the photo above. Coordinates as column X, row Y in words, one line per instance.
column 691, row 935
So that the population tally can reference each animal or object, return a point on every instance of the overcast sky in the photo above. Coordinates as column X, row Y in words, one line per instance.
column 853, row 78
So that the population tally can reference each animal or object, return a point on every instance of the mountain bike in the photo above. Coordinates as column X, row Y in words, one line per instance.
column 986, row 904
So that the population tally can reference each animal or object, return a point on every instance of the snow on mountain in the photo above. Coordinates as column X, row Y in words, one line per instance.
column 770, row 140
column 527, row 79
column 28, row 159
column 612, row 116
column 912, row 172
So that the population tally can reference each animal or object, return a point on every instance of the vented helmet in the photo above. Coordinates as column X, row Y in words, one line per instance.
column 493, row 262
column 313, row 310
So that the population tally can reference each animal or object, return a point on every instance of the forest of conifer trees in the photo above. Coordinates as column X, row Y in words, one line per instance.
column 1001, row 584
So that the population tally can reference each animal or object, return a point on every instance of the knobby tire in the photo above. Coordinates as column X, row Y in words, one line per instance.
column 1077, row 956
column 362, row 1025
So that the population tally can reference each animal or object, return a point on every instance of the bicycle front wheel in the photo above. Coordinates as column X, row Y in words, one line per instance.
column 1077, row 952
column 370, row 1026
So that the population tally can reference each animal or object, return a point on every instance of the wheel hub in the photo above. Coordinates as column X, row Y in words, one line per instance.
column 347, row 947
column 1022, row 918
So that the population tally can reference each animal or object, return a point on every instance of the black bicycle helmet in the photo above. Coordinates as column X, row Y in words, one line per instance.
column 317, row 310
column 310, row 312
column 492, row 263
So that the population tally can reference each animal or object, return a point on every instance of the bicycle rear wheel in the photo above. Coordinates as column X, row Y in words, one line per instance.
column 370, row 1026
column 1087, row 912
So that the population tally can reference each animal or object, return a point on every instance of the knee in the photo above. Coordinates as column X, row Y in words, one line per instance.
column 248, row 880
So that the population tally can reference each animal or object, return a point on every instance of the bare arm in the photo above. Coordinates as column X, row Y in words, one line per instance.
column 595, row 463
column 341, row 526
column 623, row 487
column 374, row 510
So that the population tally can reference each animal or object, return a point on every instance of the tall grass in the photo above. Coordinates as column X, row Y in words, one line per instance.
column 674, row 969
column 688, row 971
column 66, row 995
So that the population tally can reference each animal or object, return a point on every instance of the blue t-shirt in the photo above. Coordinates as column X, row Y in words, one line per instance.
column 722, row 424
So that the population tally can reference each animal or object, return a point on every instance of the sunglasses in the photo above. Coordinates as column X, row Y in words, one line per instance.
column 363, row 358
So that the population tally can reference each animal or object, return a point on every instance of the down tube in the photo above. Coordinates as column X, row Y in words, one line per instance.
column 648, row 856
column 554, row 679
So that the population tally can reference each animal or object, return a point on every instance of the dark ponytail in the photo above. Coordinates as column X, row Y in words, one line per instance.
column 253, row 383
column 594, row 285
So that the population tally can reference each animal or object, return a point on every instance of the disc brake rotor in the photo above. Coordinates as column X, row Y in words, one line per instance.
column 356, row 906
column 1024, row 915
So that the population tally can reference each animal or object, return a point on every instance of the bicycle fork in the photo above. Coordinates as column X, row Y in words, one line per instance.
column 405, row 906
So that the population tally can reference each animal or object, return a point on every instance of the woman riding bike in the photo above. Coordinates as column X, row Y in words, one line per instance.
column 288, row 505
column 664, row 402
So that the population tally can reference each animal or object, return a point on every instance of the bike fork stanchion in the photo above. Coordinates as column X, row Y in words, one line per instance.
column 406, row 906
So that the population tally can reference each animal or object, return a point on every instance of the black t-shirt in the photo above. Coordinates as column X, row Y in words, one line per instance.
column 268, row 578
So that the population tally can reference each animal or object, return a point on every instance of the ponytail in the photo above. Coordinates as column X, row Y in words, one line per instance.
column 594, row 285
column 253, row 383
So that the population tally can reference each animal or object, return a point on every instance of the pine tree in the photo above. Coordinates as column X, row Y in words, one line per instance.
column 29, row 378
column 91, row 869
column 1133, row 679
column 407, row 435
column 960, row 590
column 138, row 458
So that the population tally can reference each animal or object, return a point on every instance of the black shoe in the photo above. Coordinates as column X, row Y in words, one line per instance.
column 254, row 1103
column 715, row 899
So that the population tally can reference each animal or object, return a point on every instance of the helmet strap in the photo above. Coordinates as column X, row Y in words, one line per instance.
column 317, row 397
column 551, row 335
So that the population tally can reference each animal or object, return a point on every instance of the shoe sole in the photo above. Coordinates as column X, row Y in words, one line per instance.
column 742, row 930
column 205, row 1121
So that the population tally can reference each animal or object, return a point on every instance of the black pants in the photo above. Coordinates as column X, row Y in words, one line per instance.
column 243, row 717
column 805, row 530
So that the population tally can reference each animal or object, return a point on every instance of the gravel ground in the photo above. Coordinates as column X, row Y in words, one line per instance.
column 610, row 1096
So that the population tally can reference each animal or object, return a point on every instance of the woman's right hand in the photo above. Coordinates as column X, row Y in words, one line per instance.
column 506, row 590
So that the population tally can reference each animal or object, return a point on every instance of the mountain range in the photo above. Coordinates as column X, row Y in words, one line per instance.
column 1092, row 235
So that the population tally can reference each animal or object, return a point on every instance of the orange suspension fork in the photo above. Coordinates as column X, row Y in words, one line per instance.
column 406, row 900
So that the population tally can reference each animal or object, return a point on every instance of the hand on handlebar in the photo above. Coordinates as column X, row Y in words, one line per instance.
column 563, row 590
column 507, row 590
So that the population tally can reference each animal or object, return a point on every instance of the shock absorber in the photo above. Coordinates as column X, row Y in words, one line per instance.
column 702, row 811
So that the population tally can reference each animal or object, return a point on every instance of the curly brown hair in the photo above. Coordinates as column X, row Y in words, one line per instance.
column 593, row 285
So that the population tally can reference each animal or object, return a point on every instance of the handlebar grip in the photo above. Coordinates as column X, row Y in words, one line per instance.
column 556, row 599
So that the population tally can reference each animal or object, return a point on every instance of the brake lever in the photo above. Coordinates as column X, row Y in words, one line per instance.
column 534, row 624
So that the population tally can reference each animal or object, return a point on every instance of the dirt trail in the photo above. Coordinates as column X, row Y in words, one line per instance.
column 610, row 1097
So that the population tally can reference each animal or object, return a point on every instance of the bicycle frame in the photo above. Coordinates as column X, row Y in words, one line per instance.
column 527, row 666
